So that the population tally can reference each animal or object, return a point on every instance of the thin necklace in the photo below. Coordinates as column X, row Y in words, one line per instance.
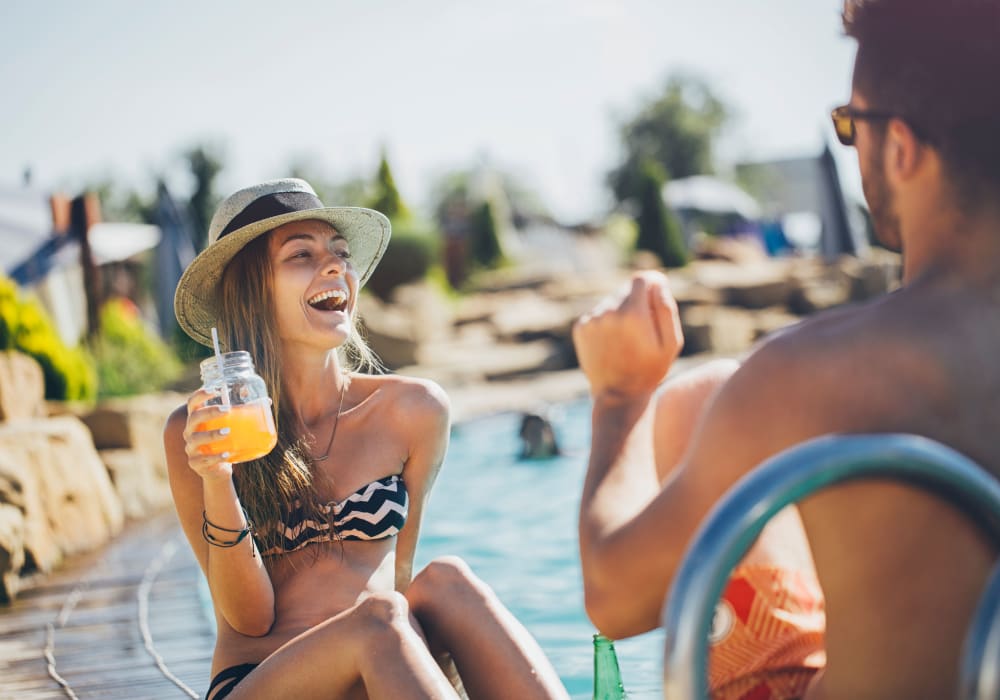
column 336, row 422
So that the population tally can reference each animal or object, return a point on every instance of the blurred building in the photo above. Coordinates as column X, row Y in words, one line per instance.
column 806, row 196
column 59, row 250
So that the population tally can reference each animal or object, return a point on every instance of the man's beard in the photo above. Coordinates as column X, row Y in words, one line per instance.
column 881, row 202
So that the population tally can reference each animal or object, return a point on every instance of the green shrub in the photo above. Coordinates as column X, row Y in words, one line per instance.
column 24, row 326
column 187, row 348
column 484, row 243
column 131, row 359
column 411, row 253
column 659, row 231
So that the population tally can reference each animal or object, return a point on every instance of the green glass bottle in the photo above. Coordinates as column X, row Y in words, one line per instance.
column 607, row 675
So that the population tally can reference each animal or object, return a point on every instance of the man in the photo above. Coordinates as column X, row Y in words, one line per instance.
column 901, row 570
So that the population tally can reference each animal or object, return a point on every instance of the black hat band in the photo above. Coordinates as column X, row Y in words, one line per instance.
column 272, row 205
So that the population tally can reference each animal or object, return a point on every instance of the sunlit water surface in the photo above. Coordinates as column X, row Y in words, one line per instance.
column 514, row 522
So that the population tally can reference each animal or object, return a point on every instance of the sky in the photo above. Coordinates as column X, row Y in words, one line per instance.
column 538, row 88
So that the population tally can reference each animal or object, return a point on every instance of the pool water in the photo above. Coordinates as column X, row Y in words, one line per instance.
column 515, row 523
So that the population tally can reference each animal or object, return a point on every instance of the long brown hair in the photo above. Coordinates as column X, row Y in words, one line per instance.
column 272, row 486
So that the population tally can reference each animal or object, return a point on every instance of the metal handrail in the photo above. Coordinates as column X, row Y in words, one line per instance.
column 980, row 674
column 733, row 525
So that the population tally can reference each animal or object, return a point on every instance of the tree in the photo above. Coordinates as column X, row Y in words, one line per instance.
column 484, row 243
column 352, row 191
column 659, row 231
column 387, row 198
column 205, row 164
column 675, row 130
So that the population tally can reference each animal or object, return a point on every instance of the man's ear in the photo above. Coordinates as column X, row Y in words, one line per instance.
column 904, row 152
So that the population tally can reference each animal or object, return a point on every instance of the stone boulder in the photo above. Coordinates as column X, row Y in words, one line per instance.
column 419, row 314
column 873, row 276
column 755, row 285
column 52, row 472
column 520, row 316
column 390, row 335
column 134, row 423
column 717, row 329
column 818, row 294
column 141, row 489
column 11, row 550
column 22, row 386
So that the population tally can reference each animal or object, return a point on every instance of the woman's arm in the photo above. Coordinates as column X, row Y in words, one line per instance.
column 203, row 489
column 424, row 409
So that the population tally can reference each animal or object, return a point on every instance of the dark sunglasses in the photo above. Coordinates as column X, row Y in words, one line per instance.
column 844, row 118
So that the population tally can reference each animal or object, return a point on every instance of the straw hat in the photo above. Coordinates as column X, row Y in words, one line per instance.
column 250, row 212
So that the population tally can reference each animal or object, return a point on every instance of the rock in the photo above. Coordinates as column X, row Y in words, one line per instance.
column 11, row 550
column 459, row 364
column 68, row 494
column 750, row 286
column 390, row 336
column 528, row 316
column 871, row 277
column 20, row 489
column 22, row 386
column 689, row 292
column 141, row 490
column 134, row 423
column 768, row 321
column 426, row 308
column 735, row 249
column 717, row 329
column 811, row 295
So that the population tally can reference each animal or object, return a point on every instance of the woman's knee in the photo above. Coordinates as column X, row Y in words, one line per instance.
column 383, row 611
column 446, row 573
column 445, row 578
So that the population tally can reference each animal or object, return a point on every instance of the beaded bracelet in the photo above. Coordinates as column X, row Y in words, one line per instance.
column 215, row 541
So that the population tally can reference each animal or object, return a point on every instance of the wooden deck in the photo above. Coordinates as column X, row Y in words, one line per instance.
column 124, row 622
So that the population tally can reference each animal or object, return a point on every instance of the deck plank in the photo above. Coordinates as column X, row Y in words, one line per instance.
column 88, row 614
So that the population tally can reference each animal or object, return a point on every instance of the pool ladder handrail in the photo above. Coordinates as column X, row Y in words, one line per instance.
column 733, row 525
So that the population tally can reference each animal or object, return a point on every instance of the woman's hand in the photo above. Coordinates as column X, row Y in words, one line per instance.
column 205, row 456
column 627, row 344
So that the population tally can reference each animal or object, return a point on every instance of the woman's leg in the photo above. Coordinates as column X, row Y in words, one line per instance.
column 373, row 645
column 495, row 655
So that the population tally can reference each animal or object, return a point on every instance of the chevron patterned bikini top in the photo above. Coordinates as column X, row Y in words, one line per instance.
column 373, row 512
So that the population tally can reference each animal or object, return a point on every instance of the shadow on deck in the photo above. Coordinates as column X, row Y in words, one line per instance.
column 124, row 622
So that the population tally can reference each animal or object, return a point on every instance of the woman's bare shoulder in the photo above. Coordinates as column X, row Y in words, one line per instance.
column 410, row 393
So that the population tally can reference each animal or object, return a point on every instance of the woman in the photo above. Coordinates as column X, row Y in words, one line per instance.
column 318, row 600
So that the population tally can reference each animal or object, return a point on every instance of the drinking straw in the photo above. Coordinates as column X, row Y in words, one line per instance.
column 218, row 359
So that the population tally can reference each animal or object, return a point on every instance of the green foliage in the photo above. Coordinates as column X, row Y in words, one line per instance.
column 24, row 326
column 349, row 192
column 659, row 231
column 623, row 231
column 675, row 130
column 124, row 205
column 387, row 198
column 187, row 348
column 484, row 240
column 411, row 254
column 130, row 358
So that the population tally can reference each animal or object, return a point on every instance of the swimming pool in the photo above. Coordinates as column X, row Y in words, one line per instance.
column 514, row 522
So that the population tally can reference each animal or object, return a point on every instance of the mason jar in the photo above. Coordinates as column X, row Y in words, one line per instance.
column 249, row 417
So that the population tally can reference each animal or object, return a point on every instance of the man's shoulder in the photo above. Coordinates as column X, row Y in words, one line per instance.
column 844, row 336
column 834, row 371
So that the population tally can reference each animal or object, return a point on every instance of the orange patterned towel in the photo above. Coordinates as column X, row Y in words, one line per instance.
column 767, row 635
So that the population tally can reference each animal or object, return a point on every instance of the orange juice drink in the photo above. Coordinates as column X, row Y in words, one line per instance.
column 251, row 431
